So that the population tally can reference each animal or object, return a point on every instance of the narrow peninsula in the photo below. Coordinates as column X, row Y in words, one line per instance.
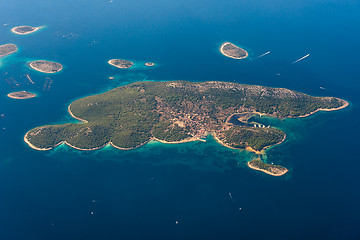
column 178, row 111
column 21, row 95
column 232, row 51
column 7, row 49
column 120, row 63
column 23, row 30
column 46, row 66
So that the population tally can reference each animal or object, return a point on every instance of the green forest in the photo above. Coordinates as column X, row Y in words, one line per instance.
column 172, row 111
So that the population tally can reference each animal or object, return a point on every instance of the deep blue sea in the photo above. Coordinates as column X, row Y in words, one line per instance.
column 181, row 191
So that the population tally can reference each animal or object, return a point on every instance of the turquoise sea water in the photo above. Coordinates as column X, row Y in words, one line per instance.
column 141, row 194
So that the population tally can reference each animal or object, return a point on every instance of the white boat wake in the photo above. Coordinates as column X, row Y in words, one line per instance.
column 263, row 54
column 301, row 58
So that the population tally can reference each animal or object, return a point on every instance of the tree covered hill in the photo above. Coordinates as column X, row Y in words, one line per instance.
column 175, row 111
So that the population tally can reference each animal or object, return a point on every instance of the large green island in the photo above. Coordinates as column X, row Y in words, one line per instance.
column 179, row 111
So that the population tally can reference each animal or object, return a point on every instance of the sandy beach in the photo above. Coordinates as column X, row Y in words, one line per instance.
column 40, row 70
column 111, row 62
column 109, row 143
column 248, row 148
column 113, row 145
column 19, row 33
column 222, row 51
column 149, row 64
column 193, row 139
column 81, row 149
column 9, row 45
column 265, row 171
column 345, row 104
column 69, row 110
column 62, row 142
column 28, row 95
column 32, row 146
column 222, row 143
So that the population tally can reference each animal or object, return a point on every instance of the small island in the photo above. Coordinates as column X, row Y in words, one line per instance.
column 23, row 30
column 232, row 51
column 21, row 95
column 7, row 49
column 149, row 64
column 179, row 111
column 120, row 63
column 46, row 66
column 275, row 170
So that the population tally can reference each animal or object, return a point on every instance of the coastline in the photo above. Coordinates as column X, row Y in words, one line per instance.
column 62, row 142
column 108, row 143
column 270, row 146
column 112, row 64
column 221, row 142
column 149, row 64
column 192, row 139
column 71, row 114
column 9, row 53
column 141, row 144
column 34, row 30
column 32, row 146
column 346, row 103
column 248, row 148
column 265, row 171
column 39, row 70
column 222, row 51
column 81, row 149
column 10, row 95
